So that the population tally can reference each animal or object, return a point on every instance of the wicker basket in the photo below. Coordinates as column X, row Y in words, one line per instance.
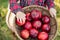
column 53, row 22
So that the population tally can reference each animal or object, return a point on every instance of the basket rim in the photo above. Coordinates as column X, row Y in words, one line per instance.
column 34, row 6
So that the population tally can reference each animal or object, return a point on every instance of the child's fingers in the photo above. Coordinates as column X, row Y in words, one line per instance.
column 20, row 20
column 52, row 12
column 23, row 20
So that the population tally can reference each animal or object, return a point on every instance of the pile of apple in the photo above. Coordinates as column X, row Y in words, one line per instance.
column 36, row 26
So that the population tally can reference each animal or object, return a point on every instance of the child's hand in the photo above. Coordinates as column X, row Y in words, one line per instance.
column 21, row 17
column 52, row 12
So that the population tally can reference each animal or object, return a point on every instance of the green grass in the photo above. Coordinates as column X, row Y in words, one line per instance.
column 5, row 33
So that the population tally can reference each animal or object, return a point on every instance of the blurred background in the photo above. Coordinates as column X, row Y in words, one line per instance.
column 6, row 34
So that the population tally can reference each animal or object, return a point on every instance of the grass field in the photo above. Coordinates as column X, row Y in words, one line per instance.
column 6, row 34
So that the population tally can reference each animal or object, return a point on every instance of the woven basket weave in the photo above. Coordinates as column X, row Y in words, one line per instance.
column 53, row 22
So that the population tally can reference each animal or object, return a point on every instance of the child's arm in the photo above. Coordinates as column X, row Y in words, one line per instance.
column 50, row 4
column 14, row 7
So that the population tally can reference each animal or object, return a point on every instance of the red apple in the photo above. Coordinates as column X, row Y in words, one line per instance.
column 28, row 25
column 46, row 27
column 37, row 24
column 28, row 18
column 24, row 34
column 40, row 13
column 34, row 14
column 19, row 23
column 33, row 32
column 46, row 19
column 43, row 36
